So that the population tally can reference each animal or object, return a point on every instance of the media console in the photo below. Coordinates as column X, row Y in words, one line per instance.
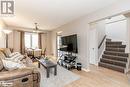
column 68, row 61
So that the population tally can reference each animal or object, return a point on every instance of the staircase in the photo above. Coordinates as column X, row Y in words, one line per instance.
column 114, row 56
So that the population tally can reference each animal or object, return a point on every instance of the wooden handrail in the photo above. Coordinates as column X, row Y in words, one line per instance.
column 102, row 41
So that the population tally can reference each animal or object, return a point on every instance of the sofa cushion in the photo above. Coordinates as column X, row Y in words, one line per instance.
column 6, row 51
column 2, row 56
column 1, row 65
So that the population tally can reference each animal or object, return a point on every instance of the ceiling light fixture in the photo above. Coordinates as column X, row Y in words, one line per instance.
column 36, row 28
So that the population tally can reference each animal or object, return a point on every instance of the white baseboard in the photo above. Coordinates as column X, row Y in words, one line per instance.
column 86, row 70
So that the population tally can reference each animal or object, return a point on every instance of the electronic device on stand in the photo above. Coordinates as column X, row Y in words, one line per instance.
column 69, row 50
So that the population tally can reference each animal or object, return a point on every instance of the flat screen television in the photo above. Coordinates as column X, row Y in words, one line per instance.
column 69, row 43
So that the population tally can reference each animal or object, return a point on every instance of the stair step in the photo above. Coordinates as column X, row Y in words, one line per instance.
column 115, row 49
column 116, row 46
column 118, row 58
column 108, row 40
column 113, row 62
column 113, row 67
column 116, row 53
column 113, row 43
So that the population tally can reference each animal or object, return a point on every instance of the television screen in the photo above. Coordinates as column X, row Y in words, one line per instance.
column 70, row 42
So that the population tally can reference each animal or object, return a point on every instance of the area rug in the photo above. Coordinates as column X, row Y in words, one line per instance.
column 63, row 77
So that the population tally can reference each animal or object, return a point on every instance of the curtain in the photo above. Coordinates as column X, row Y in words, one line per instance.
column 22, row 46
column 44, row 41
column 11, row 40
column 16, row 41
column 40, row 41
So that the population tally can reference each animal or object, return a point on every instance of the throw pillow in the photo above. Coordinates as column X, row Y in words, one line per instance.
column 16, row 57
column 1, row 65
column 2, row 56
column 7, row 52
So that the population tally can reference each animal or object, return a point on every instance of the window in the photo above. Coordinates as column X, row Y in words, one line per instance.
column 58, row 45
column 35, row 41
column 31, row 40
column 27, row 40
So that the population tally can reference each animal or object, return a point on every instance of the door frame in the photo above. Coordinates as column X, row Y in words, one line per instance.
column 94, row 26
column 57, row 35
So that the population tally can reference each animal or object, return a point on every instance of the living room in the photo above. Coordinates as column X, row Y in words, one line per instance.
column 47, row 44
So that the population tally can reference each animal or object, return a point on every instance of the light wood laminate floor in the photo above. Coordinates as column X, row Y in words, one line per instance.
column 100, row 77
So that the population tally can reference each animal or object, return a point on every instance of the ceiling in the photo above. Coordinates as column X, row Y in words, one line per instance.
column 50, row 14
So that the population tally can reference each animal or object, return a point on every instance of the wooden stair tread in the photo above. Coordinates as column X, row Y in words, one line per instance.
column 113, row 67
column 115, row 49
column 116, row 53
column 114, row 60
column 116, row 46
column 118, row 58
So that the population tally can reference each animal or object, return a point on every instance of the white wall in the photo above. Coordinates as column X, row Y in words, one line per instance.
column 81, row 27
column 2, row 35
column 2, row 40
column 93, row 44
column 101, row 33
column 128, row 35
column 101, row 30
column 117, row 31
column 81, row 31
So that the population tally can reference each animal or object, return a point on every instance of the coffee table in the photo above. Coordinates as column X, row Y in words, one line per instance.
column 47, row 64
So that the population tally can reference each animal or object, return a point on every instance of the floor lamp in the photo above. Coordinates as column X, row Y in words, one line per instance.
column 6, row 36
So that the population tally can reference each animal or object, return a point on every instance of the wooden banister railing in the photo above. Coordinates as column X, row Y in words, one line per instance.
column 102, row 41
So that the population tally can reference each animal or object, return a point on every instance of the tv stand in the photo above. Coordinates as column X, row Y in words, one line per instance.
column 67, row 60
